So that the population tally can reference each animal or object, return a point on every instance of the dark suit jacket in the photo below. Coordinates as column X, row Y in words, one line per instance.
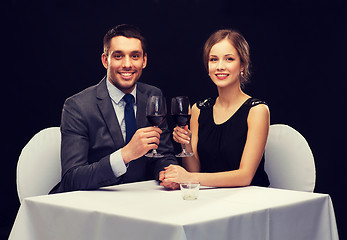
column 90, row 133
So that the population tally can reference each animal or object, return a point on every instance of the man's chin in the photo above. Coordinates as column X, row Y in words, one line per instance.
column 125, row 86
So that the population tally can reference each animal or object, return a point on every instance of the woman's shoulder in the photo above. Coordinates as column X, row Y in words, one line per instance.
column 252, row 102
column 205, row 104
column 258, row 109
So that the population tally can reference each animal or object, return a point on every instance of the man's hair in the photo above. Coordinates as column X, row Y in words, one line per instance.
column 125, row 30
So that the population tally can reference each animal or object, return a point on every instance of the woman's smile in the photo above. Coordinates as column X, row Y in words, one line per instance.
column 222, row 76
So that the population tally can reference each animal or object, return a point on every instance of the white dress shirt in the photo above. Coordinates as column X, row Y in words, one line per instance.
column 116, row 159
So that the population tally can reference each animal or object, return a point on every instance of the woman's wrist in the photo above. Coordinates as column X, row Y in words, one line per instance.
column 194, row 177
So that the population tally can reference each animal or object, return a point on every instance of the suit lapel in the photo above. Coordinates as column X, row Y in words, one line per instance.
column 108, row 113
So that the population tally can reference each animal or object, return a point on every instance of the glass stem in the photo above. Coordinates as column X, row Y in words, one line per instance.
column 184, row 148
column 154, row 151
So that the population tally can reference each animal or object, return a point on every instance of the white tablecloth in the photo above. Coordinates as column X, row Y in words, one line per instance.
column 145, row 210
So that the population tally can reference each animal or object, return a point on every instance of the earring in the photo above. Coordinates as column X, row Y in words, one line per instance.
column 242, row 73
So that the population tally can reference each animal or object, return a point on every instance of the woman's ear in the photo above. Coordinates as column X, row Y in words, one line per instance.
column 242, row 69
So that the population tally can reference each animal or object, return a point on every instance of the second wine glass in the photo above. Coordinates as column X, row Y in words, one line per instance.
column 180, row 111
column 156, row 114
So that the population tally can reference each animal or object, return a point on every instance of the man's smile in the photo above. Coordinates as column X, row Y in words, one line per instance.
column 126, row 75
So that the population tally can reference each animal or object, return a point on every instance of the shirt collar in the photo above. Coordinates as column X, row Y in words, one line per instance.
column 116, row 94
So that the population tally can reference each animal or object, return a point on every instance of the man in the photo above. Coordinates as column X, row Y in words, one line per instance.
column 98, row 148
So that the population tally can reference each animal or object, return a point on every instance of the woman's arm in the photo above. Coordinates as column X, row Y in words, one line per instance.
column 258, row 127
column 190, row 139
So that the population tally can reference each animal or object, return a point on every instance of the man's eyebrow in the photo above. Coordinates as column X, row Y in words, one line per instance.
column 136, row 52
column 116, row 51
column 119, row 51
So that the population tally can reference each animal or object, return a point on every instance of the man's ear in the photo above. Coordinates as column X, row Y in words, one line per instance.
column 104, row 60
column 144, row 64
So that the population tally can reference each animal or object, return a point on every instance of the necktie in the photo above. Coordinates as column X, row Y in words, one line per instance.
column 129, row 117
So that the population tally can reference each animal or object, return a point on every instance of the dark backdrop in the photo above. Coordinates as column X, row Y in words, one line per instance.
column 51, row 50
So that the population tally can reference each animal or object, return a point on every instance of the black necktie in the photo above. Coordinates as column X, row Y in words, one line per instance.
column 129, row 117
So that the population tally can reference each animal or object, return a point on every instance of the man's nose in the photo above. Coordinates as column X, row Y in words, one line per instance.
column 126, row 62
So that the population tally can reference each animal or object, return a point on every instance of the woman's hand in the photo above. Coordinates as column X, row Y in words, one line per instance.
column 175, row 174
column 182, row 134
column 167, row 184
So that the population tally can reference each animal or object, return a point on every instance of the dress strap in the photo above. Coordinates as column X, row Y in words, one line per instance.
column 207, row 103
column 251, row 102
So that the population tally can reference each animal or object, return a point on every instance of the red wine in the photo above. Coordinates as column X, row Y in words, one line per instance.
column 156, row 120
column 181, row 119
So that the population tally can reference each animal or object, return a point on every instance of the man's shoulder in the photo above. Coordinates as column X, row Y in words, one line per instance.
column 87, row 93
column 83, row 95
column 145, row 88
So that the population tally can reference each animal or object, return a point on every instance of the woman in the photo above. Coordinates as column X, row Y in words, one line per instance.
column 227, row 135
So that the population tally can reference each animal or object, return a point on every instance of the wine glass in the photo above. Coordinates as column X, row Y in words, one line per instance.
column 156, row 114
column 180, row 111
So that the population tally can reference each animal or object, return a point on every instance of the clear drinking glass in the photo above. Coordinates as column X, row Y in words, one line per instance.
column 156, row 114
column 180, row 111
column 190, row 190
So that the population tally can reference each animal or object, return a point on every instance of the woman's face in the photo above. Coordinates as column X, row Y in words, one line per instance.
column 224, row 64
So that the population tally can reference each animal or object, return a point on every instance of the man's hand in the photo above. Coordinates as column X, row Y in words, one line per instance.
column 143, row 140
column 166, row 184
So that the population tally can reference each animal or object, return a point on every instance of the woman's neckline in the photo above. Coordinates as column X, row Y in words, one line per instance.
column 231, row 116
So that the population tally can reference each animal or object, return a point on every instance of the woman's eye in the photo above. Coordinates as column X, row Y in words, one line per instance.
column 230, row 59
column 213, row 59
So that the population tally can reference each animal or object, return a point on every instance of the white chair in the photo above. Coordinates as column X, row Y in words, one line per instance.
column 289, row 162
column 39, row 167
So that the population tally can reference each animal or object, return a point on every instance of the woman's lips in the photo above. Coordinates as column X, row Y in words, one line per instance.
column 222, row 76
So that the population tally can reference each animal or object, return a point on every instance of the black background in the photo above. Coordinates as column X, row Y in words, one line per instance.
column 51, row 50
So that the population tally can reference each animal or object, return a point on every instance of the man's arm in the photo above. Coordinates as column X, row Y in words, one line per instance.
column 82, row 169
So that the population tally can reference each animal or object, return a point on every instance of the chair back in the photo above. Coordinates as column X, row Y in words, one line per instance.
column 39, row 167
column 289, row 161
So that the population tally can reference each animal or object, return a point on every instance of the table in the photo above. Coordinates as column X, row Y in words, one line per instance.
column 145, row 210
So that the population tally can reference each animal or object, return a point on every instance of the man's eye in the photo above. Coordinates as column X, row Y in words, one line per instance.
column 135, row 56
column 118, row 56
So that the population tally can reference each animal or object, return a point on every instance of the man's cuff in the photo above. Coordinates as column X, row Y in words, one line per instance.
column 117, row 163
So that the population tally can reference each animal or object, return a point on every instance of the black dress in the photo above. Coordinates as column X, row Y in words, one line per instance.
column 220, row 146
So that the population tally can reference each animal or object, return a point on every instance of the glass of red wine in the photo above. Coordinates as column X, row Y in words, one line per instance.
column 156, row 114
column 180, row 112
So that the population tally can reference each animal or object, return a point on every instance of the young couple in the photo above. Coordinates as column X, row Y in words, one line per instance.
column 227, row 135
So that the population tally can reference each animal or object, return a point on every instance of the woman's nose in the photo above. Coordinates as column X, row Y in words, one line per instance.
column 220, row 65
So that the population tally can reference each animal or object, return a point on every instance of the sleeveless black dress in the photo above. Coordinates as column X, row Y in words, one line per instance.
column 220, row 146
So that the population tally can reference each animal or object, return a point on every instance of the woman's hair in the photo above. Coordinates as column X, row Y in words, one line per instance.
column 125, row 30
column 239, row 43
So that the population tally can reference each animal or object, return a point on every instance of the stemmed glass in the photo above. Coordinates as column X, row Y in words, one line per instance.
column 156, row 114
column 180, row 111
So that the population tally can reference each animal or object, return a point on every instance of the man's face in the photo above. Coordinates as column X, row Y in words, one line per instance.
column 124, row 62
